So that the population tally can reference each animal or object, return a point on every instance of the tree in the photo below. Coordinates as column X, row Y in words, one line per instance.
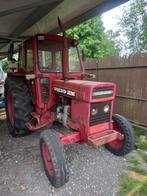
column 92, row 38
column 132, row 31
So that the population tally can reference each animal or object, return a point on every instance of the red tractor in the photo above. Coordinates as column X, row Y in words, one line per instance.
column 48, row 90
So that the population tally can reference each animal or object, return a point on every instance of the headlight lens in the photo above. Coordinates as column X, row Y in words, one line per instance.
column 94, row 111
column 106, row 108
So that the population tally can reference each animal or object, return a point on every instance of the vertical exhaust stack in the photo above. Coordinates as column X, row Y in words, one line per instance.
column 65, row 59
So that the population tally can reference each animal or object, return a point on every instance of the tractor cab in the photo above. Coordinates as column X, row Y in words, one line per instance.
column 43, row 54
column 42, row 59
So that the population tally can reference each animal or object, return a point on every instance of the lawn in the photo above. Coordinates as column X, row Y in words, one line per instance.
column 134, row 181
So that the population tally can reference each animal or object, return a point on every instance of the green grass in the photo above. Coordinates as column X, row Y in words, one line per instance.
column 138, row 169
column 133, row 160
column 136, row 164
column 139, row 131
column 143, row 156
column 142, row 145
column 143, row 190
column 127, row 185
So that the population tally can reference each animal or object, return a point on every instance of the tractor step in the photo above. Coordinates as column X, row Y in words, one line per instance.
column 104, row 137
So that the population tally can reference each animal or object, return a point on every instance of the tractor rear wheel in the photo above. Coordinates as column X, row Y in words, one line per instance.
column 53, row 158
column 18, row 106
column 127, row 144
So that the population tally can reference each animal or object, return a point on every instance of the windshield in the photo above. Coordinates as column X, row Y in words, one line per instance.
column 50, row 57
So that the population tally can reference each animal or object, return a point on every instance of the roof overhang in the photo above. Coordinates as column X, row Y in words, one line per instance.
column 20, row 19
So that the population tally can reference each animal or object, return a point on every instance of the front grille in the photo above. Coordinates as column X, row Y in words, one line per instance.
column 101, row 116
column 102, row 92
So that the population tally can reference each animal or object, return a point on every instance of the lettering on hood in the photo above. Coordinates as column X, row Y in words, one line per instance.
column 65, row 91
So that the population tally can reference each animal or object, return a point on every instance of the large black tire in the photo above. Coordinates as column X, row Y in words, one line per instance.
column 53, row 157
column 21, row 106
column 125, row 128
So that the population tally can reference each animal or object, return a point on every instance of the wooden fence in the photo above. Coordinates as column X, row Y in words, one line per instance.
column 130, row 75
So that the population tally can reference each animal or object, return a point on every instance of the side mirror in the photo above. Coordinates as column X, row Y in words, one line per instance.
column 83, row 56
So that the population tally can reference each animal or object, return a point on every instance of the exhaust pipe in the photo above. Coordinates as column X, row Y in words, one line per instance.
column 65, row 56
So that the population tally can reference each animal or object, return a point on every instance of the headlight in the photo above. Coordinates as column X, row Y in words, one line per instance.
column 106, row 108
column 94, row 111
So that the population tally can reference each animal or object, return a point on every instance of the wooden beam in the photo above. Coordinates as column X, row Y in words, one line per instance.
column 15, row 39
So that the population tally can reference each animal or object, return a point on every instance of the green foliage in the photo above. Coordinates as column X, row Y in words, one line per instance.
column 5, row 64
column 92, row 38
column 133, row 27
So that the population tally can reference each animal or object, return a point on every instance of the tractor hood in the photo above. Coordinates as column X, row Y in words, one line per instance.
column 87, row 91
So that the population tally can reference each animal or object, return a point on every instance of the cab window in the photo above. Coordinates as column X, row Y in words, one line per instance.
column 29, row 56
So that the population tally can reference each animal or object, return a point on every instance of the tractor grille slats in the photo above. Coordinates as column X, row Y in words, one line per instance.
column 101, row 116
column 102, row 92
column 99, row 120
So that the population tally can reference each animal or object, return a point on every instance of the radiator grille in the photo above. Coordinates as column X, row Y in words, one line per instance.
column 101, row 116
column 106, row 92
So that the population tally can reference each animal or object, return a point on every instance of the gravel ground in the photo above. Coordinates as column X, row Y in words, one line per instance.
column 92, row 171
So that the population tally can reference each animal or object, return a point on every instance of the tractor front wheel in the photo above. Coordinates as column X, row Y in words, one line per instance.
column 126, row 145
column 53, row 158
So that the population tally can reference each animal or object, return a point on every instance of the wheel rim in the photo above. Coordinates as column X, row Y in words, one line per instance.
column 117, row 143
column 47, row 160
column 10, row 107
